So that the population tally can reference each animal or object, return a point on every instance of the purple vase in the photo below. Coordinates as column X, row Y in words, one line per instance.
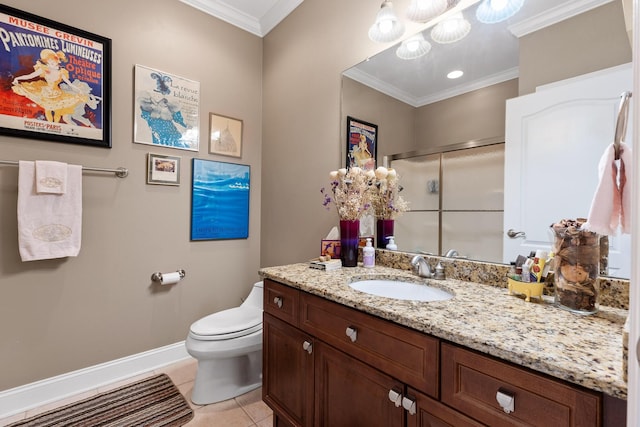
column 349, row 241
column 384, row 229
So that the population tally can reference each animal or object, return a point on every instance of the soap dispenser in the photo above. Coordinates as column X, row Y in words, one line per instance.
column 392, row 244
column 368, row 255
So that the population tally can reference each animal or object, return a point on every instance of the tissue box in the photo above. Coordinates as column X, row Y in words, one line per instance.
column 331, row 248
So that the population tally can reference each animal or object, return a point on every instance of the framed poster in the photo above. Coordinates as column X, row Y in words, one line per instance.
column 225, row 135
column 219, row 200
column 56, row 81
column 362, row 143
column 166, row 110
column 163, row 170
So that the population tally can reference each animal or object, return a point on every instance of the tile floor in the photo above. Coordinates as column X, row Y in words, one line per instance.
column 247, row 410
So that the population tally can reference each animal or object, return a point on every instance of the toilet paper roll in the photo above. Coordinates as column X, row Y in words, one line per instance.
column 170, row 278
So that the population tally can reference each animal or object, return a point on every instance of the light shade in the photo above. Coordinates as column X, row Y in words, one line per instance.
column 492, row 11
column 414, row 47
column 387, row 27
column 424, row 10
column 451, row 30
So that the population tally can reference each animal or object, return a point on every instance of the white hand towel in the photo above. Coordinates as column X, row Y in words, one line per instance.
column 51, row 177
column 611, row 202
column 49, row 225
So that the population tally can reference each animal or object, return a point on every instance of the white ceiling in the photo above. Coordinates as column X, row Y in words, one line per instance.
column 255, row 16
column 488, row 55
column 490, row 51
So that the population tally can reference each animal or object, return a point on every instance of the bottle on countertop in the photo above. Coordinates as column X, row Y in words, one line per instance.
column 526, row 273
column 368, row 255
column 392, row 244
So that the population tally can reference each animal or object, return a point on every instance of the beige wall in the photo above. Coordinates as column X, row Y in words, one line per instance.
column 395, row 119
column 589, row 42
column 58, row 316
column 471, row 116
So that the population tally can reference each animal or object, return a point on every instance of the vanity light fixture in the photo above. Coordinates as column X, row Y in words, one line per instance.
column 387, row 27
column 492, row 11
column 424, row 10
column 413, row 47
column 451, row 30
column 455, row 74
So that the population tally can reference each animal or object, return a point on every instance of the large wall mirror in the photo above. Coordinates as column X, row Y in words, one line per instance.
column 423, row 116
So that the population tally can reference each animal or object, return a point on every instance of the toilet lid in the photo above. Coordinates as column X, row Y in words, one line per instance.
column 231, row 323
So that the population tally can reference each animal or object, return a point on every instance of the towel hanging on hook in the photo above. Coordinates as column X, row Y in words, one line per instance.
column 621, row 122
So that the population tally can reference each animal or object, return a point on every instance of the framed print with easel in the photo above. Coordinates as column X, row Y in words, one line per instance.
column 225, row 135
column 219, row 200
column 362, row 143
column 56, row 81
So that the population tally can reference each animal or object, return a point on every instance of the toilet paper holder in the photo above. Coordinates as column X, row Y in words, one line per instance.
column 157, row 277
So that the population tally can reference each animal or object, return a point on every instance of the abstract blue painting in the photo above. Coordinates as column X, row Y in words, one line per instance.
column 219, row 200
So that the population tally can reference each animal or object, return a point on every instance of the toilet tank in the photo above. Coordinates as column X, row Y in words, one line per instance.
column 255, row 296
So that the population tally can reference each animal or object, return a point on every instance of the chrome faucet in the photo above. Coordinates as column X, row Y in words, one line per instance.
column 421, row 266
column 452, row 253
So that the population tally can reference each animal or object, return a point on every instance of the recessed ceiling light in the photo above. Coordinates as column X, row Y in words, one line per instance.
column 455, row 74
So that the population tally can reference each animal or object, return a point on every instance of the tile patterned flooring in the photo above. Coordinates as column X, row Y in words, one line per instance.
column 247, row 410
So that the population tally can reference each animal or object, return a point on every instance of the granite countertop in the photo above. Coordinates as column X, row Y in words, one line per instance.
column 584, row 350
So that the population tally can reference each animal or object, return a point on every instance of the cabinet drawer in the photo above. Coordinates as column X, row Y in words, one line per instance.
column 408, row 355
column 281, row 301
column 470, row 382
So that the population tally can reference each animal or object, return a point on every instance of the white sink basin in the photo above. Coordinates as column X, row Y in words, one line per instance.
column 401, row 290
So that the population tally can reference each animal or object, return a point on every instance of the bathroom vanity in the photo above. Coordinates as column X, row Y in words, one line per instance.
column 334, row 356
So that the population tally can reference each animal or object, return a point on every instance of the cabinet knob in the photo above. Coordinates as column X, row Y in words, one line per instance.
column 409, row 405
column 395, row 396
column 278, row 301
column 352, row 333
column 307, row 346
column 506, row 400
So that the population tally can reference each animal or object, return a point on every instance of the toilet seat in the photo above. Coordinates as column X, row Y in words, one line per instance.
column 227, row 324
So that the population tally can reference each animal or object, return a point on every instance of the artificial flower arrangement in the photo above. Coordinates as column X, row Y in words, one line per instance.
column 385, row 195
column 350, row 191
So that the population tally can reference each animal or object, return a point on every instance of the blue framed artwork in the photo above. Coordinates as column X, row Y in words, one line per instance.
column 219, row 200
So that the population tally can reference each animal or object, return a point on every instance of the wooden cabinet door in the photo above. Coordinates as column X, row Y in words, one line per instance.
column 287, row 383
column 431, row 413
column 350, row 393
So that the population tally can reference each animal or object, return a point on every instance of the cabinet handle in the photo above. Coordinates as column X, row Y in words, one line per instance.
column 307, row 346
column 409, row 405
column 506, row 400
column 278, row 301
column 352, row 333
column 395, row 396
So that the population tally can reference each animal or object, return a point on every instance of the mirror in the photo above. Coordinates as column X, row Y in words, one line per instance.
column 419, row 111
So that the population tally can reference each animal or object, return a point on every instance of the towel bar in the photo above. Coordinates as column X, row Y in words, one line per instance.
column 120, row 172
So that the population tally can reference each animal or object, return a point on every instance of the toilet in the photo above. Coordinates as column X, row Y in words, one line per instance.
column 228, row 347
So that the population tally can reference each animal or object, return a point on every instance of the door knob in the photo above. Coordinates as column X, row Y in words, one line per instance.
column 307, row 346
column 511, row 233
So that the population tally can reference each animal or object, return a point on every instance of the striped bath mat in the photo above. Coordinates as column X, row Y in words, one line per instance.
column 153, row 401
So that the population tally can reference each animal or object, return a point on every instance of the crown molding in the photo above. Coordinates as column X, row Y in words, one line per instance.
column 554, row 15
column 234, row 16
column 389, row 90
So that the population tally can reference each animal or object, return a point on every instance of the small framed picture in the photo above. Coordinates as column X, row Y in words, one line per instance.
column 225, row 135
column 362, row 144
column 163, row 170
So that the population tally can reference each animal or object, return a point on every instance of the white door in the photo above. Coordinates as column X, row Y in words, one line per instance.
column 554, row 139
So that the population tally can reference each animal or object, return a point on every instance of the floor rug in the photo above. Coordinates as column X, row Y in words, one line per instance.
column 153, row 401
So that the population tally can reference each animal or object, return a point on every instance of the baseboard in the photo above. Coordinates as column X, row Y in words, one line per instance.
column 23, row 398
